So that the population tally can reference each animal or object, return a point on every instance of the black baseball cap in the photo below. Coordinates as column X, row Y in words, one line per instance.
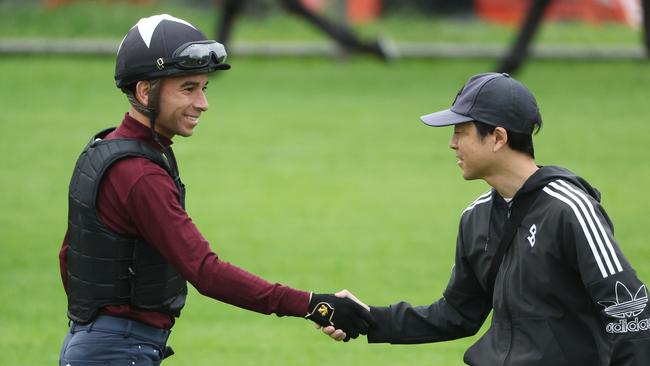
column 492, row 98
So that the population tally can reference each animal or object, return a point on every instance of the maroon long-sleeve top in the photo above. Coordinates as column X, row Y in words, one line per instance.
column 138, row 198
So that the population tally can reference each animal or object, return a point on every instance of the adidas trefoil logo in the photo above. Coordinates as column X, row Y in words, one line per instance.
column 626, row 305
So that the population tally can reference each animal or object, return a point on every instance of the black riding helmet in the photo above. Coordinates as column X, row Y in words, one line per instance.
column 162, row 45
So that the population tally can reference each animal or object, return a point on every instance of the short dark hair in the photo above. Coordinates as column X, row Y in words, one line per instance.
column 522, row 142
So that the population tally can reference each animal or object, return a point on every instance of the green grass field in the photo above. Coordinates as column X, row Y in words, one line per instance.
column 312, row 173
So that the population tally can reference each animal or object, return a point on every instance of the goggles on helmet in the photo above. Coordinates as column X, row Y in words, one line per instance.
column 195, row 55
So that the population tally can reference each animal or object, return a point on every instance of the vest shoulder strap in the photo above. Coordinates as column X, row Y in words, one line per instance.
column 101, row 153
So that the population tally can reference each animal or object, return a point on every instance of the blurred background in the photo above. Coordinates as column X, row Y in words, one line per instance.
column 585, row 29
column 311, row 167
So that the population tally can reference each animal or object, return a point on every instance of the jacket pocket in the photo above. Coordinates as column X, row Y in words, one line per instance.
column 491, row 348
column 535, row 344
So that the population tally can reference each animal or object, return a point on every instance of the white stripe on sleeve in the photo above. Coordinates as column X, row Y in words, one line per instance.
column 590, row 221
column 594, row 251
column 478, row 202
column 485, row 197
column 610, row 247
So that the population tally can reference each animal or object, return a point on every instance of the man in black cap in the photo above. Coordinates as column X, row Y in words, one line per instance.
column 130, row 246
column 537, row 249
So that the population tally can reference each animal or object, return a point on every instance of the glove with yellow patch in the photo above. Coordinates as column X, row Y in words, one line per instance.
column 341, row 313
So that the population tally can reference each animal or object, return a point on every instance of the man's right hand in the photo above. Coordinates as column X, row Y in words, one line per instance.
column 344, row 316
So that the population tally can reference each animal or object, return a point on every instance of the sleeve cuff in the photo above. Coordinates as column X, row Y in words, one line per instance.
column 296, row 303
column 381, row 332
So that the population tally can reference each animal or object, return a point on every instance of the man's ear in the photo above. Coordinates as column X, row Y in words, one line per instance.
column 142, row 91
column 500, row 138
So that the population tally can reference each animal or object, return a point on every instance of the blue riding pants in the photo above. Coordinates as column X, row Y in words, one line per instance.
column 111, row 341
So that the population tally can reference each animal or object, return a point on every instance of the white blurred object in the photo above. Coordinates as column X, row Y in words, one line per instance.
column 632, row 11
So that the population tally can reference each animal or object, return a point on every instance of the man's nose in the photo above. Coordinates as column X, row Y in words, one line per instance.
column 201, row 102
column 453, row 143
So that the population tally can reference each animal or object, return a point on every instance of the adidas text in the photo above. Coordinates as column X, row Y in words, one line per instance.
column 625, row 326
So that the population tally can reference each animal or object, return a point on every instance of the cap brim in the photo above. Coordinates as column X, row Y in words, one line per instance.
column 444, row 118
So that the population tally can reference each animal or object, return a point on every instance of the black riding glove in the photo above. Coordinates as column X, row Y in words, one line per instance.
column 341, row 313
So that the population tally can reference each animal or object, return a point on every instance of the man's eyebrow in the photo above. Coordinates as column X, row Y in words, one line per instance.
column 189, row 83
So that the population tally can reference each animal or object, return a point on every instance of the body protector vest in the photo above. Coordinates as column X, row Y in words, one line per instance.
column 106, row 268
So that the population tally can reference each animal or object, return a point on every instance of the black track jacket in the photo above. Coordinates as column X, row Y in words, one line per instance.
column 565, row 294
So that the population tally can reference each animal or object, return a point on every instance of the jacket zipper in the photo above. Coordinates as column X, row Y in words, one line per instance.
column 505, row 298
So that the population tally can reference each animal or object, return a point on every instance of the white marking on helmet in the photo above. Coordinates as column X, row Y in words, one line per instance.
column 147, row 26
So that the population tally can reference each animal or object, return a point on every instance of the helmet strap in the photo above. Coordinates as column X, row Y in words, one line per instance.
column 153, row 109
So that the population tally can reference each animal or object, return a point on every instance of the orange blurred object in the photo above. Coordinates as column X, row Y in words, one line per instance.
column 360, row 11
column 593, row 11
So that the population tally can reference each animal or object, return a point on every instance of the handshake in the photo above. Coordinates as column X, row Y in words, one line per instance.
column 341, row 316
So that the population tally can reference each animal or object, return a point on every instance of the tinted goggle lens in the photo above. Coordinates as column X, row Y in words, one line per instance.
column 196, row 55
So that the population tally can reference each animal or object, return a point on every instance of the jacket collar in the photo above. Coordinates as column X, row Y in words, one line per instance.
column 132, row 129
